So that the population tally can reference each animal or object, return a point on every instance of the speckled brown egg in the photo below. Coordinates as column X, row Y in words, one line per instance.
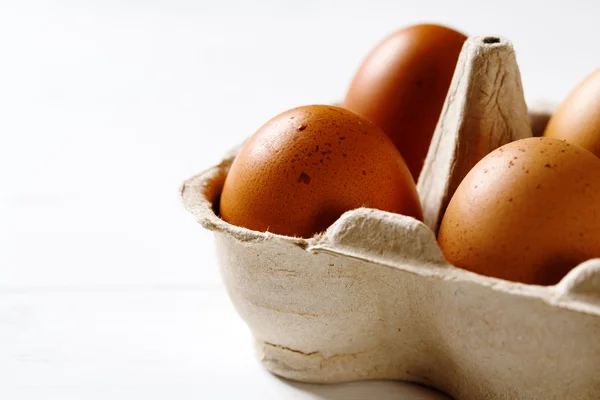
column 402, row 84
column 307, row 166
column 578, row 117
column 528, row 212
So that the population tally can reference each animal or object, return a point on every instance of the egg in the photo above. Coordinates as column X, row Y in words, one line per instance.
column 402, row 83
column 307, row 166
column 578, row 117
column 527, row 212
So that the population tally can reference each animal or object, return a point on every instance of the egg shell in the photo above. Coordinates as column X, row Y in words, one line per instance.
column 528, row 212
column 307, row 166
column 402, row 83
column 577, row 119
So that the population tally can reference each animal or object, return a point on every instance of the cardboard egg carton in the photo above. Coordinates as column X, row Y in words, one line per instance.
column 373, row 298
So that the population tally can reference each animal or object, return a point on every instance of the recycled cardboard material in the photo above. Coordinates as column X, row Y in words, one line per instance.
column 484, row 110
column 373, row 297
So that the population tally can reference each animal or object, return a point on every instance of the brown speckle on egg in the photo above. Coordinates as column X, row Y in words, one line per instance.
column 304, row 178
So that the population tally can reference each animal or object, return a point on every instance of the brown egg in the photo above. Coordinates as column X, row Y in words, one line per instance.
column 307, row 166
column 528, row 212
column 578, row 117
column 402, row 84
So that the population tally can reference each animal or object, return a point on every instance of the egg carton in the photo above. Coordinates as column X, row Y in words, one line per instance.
column 372, row 297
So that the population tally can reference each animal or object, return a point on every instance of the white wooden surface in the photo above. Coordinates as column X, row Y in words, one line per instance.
column 108, row 288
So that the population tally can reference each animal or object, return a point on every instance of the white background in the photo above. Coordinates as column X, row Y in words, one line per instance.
column 108, row 288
